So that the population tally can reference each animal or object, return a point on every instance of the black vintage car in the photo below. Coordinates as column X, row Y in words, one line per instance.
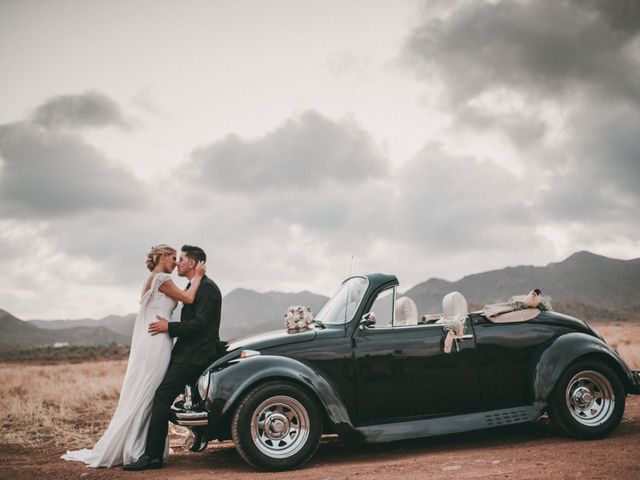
column 360, row 373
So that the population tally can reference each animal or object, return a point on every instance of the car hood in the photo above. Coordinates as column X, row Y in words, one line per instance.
column 271, row 339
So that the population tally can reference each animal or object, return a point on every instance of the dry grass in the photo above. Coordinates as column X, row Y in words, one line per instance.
column 66, row 405
column 70, row 405
column 62, row 405
column 70, row 354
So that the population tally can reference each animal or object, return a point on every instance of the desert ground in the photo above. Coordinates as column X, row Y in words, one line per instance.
column 48, row 408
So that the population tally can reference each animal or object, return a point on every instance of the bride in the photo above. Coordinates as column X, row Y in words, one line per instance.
column 125, row 438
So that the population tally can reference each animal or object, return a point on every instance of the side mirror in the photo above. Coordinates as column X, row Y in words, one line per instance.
column 368, row 320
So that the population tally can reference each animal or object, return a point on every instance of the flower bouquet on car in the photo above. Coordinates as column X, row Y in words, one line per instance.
column 297, row 318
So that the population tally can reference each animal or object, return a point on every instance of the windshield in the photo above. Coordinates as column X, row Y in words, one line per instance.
column 342, row 306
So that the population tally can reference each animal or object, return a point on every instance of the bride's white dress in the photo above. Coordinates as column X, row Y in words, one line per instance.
column 125, row 438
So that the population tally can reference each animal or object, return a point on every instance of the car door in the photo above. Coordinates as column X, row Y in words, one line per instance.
column 403, row 371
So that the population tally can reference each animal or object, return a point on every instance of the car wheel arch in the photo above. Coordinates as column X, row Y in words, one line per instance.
column 611, row 363
column 566, row 350
column 327, row 399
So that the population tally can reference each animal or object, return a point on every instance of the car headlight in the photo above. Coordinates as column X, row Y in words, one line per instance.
column 203, row 385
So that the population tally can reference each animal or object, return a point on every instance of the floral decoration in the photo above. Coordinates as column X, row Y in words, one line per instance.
column 545, row 303
column 535, row 299
column 298, row 318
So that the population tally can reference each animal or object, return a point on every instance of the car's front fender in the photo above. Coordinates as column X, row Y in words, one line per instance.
column 566, row 349
column 233, row 380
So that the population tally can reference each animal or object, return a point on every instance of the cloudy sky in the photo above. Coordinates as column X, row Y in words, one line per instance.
column 423, row 138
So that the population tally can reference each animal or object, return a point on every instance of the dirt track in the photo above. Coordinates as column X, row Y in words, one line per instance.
column 530, row 451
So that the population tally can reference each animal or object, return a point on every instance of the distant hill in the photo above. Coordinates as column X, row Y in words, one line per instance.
column 586, row 285
column 122, row 325
column 245, row 312
column 16, row 334
column 584, row 282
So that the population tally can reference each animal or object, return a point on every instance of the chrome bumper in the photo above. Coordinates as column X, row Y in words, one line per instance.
column 184, row 413
column 191, row 418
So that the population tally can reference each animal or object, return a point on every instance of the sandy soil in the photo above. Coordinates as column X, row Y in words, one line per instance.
column 529, row 451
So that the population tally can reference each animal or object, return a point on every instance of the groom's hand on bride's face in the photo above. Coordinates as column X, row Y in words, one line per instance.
column 161, row 326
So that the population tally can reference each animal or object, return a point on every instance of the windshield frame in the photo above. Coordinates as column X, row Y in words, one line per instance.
column 333, row 312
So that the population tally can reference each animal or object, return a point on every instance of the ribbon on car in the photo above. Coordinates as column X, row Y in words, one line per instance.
column 455, row 330
column 448, row 342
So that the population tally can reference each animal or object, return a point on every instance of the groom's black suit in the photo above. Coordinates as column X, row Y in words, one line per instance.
column 198, row 344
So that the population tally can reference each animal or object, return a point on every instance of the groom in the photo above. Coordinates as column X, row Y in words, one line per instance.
column 198, row 343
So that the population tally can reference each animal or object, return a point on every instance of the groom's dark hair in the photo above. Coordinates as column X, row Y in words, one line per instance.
column 194, row 253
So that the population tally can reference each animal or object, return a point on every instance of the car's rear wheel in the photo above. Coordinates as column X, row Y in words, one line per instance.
column 588, row 400
column 277, row 426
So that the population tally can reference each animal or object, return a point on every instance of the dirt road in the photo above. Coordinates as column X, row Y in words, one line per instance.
column 530, row 451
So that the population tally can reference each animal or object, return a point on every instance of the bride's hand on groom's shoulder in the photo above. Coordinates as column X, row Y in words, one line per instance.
column 201, row 269
column 161, row 326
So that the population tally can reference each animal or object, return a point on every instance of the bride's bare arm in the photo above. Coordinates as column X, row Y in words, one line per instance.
column 187, row 297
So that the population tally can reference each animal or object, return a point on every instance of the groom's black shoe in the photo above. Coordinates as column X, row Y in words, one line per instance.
column 145, row 462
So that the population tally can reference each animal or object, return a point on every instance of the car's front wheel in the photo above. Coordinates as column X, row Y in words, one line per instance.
column 277, row 426
column 588, row 400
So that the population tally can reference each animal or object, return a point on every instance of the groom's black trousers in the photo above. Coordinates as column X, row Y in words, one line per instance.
column 172, row 384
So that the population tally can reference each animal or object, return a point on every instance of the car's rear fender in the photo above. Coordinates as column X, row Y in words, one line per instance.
column 566, row 349
column 234, row 380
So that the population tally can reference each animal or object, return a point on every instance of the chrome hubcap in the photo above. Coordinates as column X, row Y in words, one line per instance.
column 280, row 426
column 582, row 397
column 590, row 398
column 276, row 426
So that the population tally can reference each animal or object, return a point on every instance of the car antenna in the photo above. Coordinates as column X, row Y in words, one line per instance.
column 346, row 307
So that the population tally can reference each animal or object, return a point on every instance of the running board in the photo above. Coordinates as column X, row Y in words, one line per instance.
column 454, row 424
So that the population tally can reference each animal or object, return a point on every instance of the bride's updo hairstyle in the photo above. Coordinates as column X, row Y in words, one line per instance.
column 153, row 257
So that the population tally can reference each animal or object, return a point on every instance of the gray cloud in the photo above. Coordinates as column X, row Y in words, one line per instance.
column 546, row 48
column 89, row 109
column 621, row 15
column 437, row 201
column 599, row 181
column 505, row 65
column 49, row 173
column 57, row 194
column 302, row 153
column 451, row 202
column 321, row 210
column 526, row 130
column 323, row 176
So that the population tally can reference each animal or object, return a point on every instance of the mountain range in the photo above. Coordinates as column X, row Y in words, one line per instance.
column 16, row 334
column 586, row 285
